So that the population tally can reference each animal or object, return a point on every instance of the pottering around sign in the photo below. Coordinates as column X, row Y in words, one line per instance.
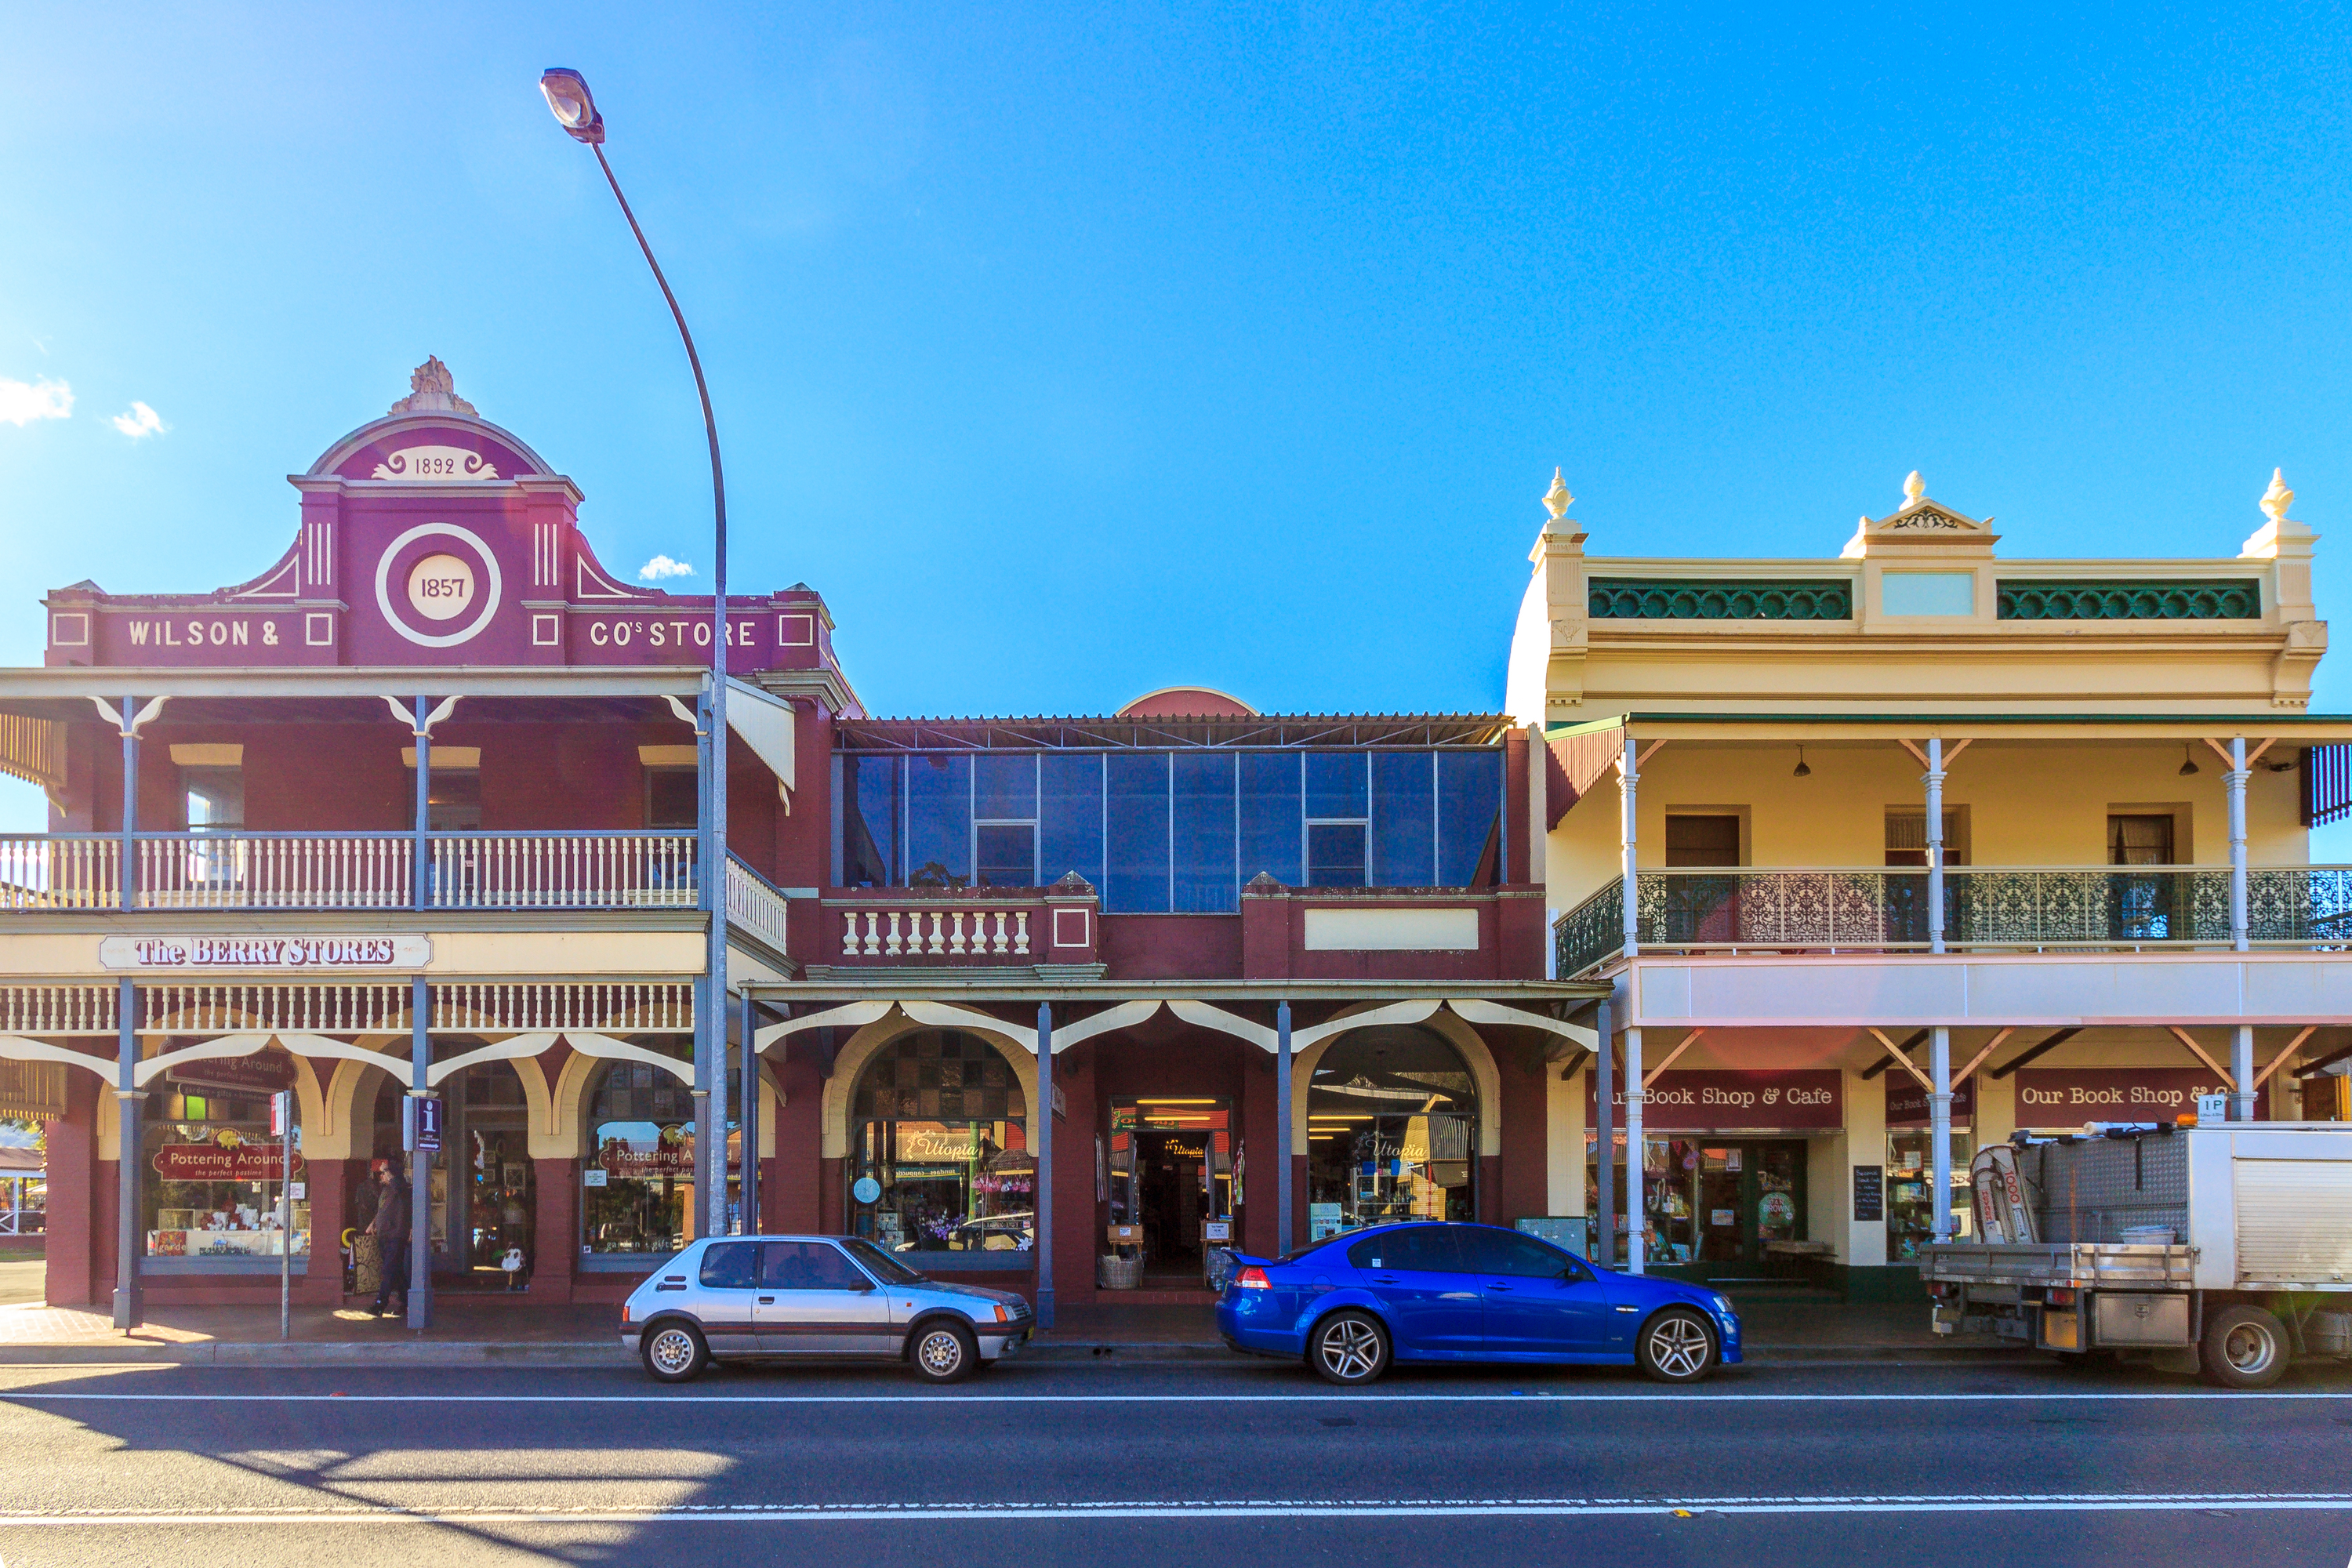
column 221, row 1161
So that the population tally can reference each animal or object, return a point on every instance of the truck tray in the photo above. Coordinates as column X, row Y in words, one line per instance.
column 2085, row 1265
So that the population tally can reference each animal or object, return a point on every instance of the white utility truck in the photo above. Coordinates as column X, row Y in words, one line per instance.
column 2224, row 1248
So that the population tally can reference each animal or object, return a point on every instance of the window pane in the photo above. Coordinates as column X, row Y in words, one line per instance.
column 1204, row 831
column 1514, row 1256
column 806, row 1266
column 1270, row 815
column 670, row 797
column 869, row 851
column 1135, row 878
column 939, row 821
column 730, row 1265
column 1070, row 820
column 1005, row 785
column 1405, row 818
column 1469, row 817
column 1335, row 855
column 216, row 797
column 1335, row 783
column 1702, row 841
column 1008, row 855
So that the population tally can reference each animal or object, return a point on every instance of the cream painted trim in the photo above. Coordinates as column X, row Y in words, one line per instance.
column 1200, row 1015
column 611, row 1049
column 449, row 759
column 208, row 754
column 767, row 724
column 335, row 1136
column 833, row 1140
column 946, row 1016
column 1391, row 1013
column 1478, row 1011
column 1126, row 1015
column 512, row 1048
column 241, row 1044
column 19, row 1048
column 1896, row 1052
column 668, row 756
column 851, row 1014
column 1483, row 1075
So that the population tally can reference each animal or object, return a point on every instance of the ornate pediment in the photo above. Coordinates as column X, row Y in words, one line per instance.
column 1921, row 522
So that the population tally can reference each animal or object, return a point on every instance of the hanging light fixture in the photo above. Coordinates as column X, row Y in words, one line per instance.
column 1802, row 770
column 2188, row 760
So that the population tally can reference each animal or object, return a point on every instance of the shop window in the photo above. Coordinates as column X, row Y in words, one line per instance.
column 1710, row 840
column 672, row 798
column 1710, row 1200
column 1910, row 1180
column 637, row 1183
column 1391, row 1132
column 939, row 1163
column 485, row 1136
column 1906, row 836
column 215, row 1175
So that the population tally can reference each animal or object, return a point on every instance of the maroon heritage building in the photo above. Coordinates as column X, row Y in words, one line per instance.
column 1066, row 1003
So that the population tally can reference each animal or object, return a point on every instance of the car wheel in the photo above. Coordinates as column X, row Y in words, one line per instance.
column 944, row 1353
column 2245, row 1347
column 1349, row 1348
column 1676, row 1346
column 674, row 1351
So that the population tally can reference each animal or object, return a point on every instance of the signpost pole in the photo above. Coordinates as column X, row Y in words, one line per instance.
column 128, row 1097
column 420, row 1162
column 1604, row 1126
column 1283, row 1134
column 282, row 1111
column 1041, row 1117
column 747, row 1116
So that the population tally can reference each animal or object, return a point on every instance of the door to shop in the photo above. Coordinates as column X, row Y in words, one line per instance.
column 1170, row 1170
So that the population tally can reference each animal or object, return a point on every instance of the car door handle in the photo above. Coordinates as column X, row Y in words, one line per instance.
column 767, row 1300
column 1498, row 1285
column 1384, row 1279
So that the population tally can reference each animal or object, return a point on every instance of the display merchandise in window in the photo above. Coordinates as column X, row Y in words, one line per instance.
column 637, row 1182
column 941, row 1162
column 1910, row 1178
column 215, row 1176
column 1391, row 1132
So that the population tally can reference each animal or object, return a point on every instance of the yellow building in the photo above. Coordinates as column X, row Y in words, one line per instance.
column 1850, row 834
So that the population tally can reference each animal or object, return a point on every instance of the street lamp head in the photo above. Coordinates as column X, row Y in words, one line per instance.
column 575, row 108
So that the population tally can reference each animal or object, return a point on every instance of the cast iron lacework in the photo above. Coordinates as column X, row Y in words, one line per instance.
column 2159, row 599
column 2306, row 906
column 1671, row 599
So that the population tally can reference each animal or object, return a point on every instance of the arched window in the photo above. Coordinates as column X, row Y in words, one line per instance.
column 1391, row 1131
column 637, row 1182
column 938, row 1157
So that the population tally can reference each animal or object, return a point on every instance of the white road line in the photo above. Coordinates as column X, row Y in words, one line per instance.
column 1304, row 1396
column 1339, row 1508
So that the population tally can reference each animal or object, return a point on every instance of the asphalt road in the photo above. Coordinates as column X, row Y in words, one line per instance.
column 351, row 1468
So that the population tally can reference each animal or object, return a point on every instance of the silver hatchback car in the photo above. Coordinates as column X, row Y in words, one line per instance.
column 831, row 1297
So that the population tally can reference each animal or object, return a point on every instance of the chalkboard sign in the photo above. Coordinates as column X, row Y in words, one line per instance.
column 1869, row 1193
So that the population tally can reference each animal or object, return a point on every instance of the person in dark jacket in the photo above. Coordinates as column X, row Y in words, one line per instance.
column 390, row 1228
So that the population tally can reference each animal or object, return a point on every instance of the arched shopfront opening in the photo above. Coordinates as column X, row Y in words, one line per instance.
column 1391, row 1131
column 637, row 1181
column 939, row 1161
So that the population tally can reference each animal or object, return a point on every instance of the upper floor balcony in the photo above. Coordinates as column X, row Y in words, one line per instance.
column 1795, row 910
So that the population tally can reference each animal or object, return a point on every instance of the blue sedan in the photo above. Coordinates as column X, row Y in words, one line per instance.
column 1431, row 1292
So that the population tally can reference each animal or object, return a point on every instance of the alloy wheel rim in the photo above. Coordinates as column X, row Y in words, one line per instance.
column 1678, row 1347
column 2247, row 1349
column 1351, row 1349
column 941, row 1351
column 673, row 1350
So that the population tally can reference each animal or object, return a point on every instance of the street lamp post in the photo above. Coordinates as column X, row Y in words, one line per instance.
column 575, row 109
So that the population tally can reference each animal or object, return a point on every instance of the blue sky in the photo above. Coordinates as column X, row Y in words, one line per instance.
column 1077, row 351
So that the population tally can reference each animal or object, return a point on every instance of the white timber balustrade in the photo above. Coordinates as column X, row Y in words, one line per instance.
column 931, row 929
column 274, row 871
column 60, row 871
column 564, row 870
column 755, row 904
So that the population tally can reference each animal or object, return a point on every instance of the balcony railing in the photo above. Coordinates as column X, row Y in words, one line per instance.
column 754, row 904
column 1871, row 910
column 947, row 927
column 238, row 870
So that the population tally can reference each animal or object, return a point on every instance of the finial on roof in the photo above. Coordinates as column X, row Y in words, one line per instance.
column 2278, row 498
column 1914, row 489
column 431, row 390
column 1557, row 500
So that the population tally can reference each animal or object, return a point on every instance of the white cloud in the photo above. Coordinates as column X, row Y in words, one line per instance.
column 140, row 422
column 21, row 403
column 662, row 566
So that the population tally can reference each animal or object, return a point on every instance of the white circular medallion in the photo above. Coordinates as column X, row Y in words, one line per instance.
column 483, row 598
column 441, row 587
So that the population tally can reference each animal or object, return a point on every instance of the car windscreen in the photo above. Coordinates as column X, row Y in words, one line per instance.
column 878, row 1263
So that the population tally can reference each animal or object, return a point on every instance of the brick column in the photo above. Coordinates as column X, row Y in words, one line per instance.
column 555, row 1229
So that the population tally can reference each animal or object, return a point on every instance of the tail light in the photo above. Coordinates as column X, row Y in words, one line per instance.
column 1252, row 1278
column 2061, row 1297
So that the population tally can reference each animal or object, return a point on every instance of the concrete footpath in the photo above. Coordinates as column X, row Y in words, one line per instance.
column 1779, row 1329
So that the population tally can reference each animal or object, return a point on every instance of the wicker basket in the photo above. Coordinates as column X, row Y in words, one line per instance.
column 1116, row 1273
